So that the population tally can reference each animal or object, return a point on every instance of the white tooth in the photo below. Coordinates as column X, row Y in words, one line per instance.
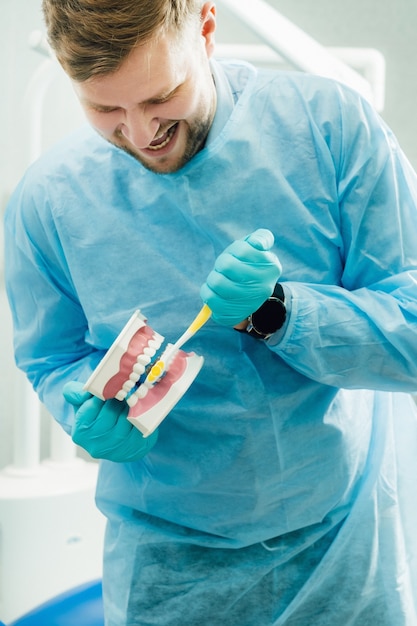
column 154, row 344
column 128, row 385
column 132, row 400
column 142, row 391
column 121, row 395
column 167, row 140
column 139, row 369
column 143, row 359
column 134, row 377
column 158, row 338
column 149, row 351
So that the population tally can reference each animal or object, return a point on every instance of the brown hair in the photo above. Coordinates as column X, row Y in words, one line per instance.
column 94, row 37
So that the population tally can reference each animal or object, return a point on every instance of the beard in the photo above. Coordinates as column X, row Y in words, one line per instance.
column 195, row 138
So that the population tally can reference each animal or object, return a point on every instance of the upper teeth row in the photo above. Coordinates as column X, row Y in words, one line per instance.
column 164, row 143
column 142, row 361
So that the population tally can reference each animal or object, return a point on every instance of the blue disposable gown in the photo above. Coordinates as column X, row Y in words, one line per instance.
column 294, row 460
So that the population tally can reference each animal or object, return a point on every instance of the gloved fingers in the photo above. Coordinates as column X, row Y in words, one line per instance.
column 222, row 287
column 244, row 252
column 99, row 417
column 75, row 394
column 243, row 277
column 262, row 239
column 207, row 295
column 135, row 446
column 115, row 445
column 244, row 272
column 112, row 418
column 101, row 427
column 122, row 448
column 228, row 309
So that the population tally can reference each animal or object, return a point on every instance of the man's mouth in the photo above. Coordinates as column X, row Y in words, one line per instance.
column 164, row 139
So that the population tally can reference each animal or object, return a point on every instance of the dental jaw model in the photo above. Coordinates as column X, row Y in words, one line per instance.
column 152, row 382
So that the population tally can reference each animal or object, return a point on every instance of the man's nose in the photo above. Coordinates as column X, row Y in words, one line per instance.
column 139, row 128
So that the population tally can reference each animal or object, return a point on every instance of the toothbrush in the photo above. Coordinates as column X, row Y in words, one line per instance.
column 160, row 366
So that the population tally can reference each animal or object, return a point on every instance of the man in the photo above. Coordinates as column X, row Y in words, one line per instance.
column 280, row 489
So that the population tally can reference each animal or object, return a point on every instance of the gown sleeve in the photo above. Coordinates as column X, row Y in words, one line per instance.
column 362, row 333
column 50, row 327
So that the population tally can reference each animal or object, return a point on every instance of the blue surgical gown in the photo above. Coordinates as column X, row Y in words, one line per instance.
column 282, row 487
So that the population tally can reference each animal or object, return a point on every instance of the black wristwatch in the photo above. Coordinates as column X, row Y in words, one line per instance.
column 270, row 317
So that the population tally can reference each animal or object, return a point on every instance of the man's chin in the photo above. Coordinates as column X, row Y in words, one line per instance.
column 184, row 150
column 163, row 165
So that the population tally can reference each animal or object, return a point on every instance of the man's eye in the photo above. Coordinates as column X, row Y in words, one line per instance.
column 161, row 100
column 99, row 110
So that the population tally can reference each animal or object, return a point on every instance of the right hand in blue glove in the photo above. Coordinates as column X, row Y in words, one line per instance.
column 101, row 427
column 243, row 277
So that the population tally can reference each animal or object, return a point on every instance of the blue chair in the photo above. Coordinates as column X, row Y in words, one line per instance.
column 81, row 606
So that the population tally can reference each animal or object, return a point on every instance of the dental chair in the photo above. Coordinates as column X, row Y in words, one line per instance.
column 81, row 606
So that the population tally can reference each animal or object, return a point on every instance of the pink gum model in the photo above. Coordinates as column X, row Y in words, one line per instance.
column 125, row 365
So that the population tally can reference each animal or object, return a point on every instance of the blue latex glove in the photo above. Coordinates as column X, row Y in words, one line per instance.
column 243, row 277
column 101, row 427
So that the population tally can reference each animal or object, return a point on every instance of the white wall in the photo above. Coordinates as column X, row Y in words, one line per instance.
column 387, row 25
column 18, row 18
column 384, row 24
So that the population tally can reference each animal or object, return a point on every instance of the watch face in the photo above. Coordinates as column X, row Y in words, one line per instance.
column 269, row 317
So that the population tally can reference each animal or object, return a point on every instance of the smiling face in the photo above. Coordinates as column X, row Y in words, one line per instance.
column 159, row 105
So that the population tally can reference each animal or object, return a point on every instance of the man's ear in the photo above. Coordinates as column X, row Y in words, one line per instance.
column 208, row 25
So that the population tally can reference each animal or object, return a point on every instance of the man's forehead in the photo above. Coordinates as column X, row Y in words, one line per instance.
column 148, row 74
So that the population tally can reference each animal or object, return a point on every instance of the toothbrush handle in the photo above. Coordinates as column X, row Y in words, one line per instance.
column 202, row 317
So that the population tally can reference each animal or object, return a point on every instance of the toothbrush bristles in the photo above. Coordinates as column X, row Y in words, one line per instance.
column 156, row 371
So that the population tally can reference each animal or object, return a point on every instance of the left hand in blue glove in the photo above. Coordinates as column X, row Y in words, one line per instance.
column 244, row 276
column 101, row 427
